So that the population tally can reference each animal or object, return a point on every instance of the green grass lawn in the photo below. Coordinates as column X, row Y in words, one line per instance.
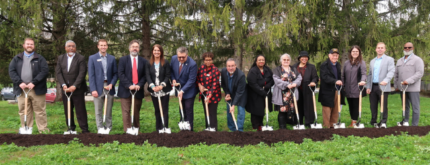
column 341, row 150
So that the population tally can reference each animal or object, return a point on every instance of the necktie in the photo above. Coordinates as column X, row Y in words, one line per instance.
column 180, row 68
column 134, row 72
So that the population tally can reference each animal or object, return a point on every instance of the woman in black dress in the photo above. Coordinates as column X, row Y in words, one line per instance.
column 260, row 81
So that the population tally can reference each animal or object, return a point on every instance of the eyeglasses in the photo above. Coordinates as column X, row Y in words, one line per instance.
column 181, row 57
column 408, row 47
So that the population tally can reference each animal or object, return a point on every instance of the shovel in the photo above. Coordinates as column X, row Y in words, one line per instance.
column 104, row 130
column 70, row 131
column 298, row 126
column 315, row 125
column 338, row 124
column 132, row 130
column 27, row 130
column 183, row 125
column 234, row 119
column 403, row 123
column 380, row 124
column 209, row 128
column 358, row 124
column 267, row 127
column 164, row 130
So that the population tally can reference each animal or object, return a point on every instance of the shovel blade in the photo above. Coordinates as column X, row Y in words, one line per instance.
column 24, row 131
column 184, row 125
column 132, row 131
column 70, row 132
column 316, row 126
column 210, row 129
column 165, row 130
column 299, row 127
column 338, row 126
column 103, row 131
column 405, row 124
column 361, row 125
column 266, row 128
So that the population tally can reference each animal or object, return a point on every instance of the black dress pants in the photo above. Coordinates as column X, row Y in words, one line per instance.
column 165, row 106
column 212, row 114
column 375, row 97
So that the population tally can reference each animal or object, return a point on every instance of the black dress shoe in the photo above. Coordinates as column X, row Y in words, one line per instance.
column 85, row 132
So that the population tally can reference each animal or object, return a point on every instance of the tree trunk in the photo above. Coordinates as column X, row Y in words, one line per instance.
column 146, row 38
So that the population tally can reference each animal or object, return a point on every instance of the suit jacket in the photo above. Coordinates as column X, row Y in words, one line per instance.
column 96, row 73
column 187, row 77
column 126, row 79
column 239, row 91
column 328, row 81
column 410, row 71
column 386, row 72
column 163, row 76
column 76, row 74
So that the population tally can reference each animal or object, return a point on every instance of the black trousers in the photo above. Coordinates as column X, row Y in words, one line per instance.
column 308, row 113
column 375, row 97
column 165, row 106
column 77, row 101
column 353, row 107
column 256, row 121
column 188, row 105
column 212, row 115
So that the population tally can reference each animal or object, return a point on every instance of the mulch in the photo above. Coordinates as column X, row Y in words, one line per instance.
column 186, row 138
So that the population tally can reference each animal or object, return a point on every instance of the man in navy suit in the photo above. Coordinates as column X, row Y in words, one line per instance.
column 131, row 72
column 102, row 73
column 184, row 72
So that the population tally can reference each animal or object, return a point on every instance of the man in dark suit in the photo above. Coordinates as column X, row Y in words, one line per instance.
column 184, row 72
column 102, row 73
column 131, row 73
column 233, row 83
column 71, row 71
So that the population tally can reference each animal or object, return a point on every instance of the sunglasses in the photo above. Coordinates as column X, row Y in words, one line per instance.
column 408, row 47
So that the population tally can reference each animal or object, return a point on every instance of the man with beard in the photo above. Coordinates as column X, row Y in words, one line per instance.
column 233, row 82
column 131, row 73
column 409, row 70
column 71, row 71
column 28, row 71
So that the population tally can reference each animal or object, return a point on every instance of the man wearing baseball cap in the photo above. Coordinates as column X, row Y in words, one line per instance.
column 330, row 78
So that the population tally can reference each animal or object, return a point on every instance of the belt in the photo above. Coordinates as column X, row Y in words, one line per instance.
column 375, row 83
column 105, row 81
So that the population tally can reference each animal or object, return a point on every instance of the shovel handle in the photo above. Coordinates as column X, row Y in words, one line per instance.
column 382, row 102
column 104, row 108
column 68, row 108
column 338, row 102
column 161, row 107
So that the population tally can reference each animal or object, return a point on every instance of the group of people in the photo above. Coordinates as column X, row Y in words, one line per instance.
column 29, row 70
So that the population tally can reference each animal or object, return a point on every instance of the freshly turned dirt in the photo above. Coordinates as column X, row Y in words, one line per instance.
column 185, row 138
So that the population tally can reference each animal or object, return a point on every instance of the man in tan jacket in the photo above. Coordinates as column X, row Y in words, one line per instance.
column 409, row 70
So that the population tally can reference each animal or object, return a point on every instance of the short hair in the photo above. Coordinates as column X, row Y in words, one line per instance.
column 231, row 59
column 28, row 39
column 182, row 49
column 69, row 41
column 381, row 43
column 101, row 40
column 284, row 55
column 132, row 42
column 207, row 54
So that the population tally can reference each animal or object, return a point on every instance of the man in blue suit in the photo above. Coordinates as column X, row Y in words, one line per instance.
column 184, row 72
column 102, row 73
column 131, row 73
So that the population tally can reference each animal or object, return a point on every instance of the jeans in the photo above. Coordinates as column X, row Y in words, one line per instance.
column 240, row 119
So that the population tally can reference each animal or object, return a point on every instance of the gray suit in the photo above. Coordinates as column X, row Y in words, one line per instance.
column 386, row 73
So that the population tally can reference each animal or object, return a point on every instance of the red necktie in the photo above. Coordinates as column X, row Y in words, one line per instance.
column 134, row 72
column 180, row 68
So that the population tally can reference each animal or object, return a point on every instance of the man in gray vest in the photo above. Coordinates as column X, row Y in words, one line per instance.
column 409, row 70
column 28, row 71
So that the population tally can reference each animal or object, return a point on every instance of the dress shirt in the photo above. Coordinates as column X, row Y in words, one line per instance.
column 104, row 63
column 376, row 67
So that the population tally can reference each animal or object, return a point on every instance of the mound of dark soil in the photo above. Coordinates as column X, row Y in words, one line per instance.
column 186, row 138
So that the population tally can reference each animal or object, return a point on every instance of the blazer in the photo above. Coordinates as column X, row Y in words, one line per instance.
column 328, row 91
column 76, row 74
column 239, row 92
column 96, row 73
column 412, row 71
column 39, row 68
column 163, row 76
column 187, row 77
column 386, row 72
column 126, row 78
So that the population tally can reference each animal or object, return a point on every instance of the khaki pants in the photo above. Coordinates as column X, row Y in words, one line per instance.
column 36, row 104
column 330, row 114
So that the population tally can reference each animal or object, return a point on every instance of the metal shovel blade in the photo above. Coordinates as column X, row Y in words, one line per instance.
column 338, row 125
column 184, row 126
column 266, row 128
column 24, row 131
column 360, row 125
column 405, row 124
column 210, row 129
column 380, row 125
column 316, row 126
column 165, row 130
column 70, row 132
column 132, row 131
column 104, row 131
column 299, row 127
